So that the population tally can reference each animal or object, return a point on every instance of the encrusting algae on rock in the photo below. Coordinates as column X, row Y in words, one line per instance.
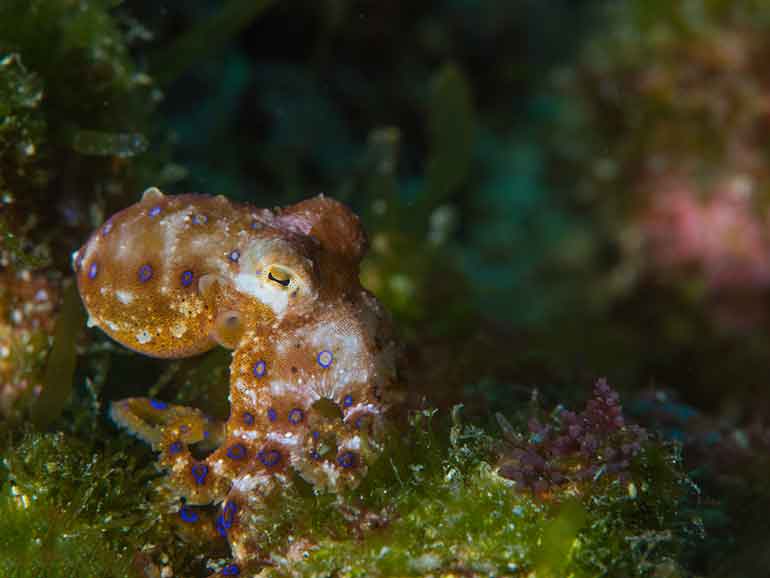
column 313, row 373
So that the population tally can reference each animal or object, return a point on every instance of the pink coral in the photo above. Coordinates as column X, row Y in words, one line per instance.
column 724, row 237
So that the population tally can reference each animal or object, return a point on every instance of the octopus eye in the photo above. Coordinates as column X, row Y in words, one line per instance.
column 279, row 276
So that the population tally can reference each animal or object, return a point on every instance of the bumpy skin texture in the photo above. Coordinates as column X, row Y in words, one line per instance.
column 313, row 368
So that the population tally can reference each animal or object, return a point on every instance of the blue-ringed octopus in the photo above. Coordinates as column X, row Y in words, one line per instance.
column 313, row 372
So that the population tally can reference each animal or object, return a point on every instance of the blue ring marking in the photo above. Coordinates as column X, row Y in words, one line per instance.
column 255, row 225
column 248, row 418
column 187, row 278
column 358, row 422
column 315, row 455
column 175, row 448
column 199, row 472
column 234, row 255
column 260, row 369
column 188, row 515
column 228, row 514
column 296, row 415
column 206, row 434
column 271, row 415
column 155, row 211
column 184, row 428
column 219, row 524
column 93, row 270
column 158, row 404
column 145, row 273
column 316, row 435
column 269, row 458
column 325, row 358
column 236, row 452
column 106, row 228
column 200, row 219
column 347, row 459
column 347, row 401
column 231, row 570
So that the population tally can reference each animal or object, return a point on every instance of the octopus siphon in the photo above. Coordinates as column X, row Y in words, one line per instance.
column 313, row 371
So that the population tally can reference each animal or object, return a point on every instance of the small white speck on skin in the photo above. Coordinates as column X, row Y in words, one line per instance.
column 92, row 322
column 180, row 465
column 248, row 392
column 353, row 443
column 113, row 326
column 125, row 297
column 288, row 439
column 143, row 337
column 178, row 330
column 278, row 388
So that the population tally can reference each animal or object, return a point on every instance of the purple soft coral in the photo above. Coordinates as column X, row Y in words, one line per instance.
column 575, row 447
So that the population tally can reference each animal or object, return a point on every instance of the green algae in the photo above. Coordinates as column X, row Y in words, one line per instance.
column 66, row 510
column 434, row 504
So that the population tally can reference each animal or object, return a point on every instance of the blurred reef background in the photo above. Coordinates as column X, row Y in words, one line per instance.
column 568, row 206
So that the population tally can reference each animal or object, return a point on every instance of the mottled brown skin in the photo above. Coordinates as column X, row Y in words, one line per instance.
column 313, row 369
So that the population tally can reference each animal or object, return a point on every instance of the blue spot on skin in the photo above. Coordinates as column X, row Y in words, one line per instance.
column 154, row 212
column 219, row 524
column 231, row 570
column 347, row 401
column 296, row 415
column 248, row 419
column 199, row 472
column 347, row 460
column 260, row 369
column 236, row 452
column 145, row 273
column 107, row 228
column 206, row 434
column 226, row 519
column 175, row 448
column 187, row 278
column 255, row 225
column 269, row 458
column 315, row 455
column 271, row 415
column 228, row 514
column 316, row 435
column 200, row 219
column 93, row 270
column 234, row 255
column 188, row 515
column 157, row 404
column 325, row 358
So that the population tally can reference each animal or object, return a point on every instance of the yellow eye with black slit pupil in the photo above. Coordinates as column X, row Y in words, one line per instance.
column 279, row 276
